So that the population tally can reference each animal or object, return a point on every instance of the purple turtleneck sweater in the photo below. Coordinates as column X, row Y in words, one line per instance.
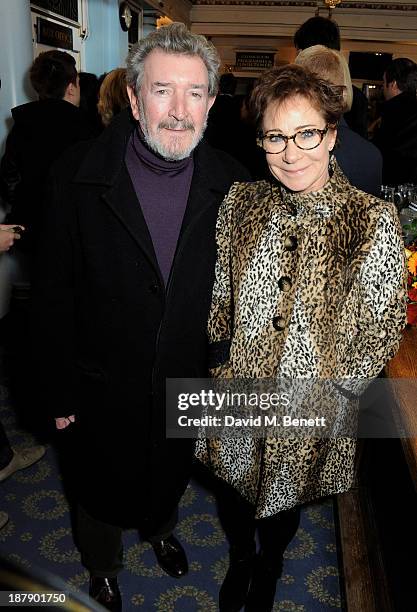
column 162, row 188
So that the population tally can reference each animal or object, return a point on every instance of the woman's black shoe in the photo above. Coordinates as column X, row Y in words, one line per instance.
column 106, row 592
column 263, row 586
column 235, row 586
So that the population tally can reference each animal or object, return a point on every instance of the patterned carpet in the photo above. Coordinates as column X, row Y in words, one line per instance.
column 38, row 535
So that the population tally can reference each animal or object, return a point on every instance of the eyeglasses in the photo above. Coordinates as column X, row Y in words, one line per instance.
column 273, row 142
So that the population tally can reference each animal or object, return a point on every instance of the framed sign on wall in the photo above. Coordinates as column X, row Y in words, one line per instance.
column 254, row 60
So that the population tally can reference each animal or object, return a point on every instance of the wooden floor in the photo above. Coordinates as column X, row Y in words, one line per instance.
column 364, row 580
column 377, row 518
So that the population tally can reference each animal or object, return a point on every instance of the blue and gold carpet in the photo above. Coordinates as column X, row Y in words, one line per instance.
column 38, row 535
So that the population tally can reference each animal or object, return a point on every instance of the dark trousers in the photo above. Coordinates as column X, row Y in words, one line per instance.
column 101, row 546
column 237, row 516
column 6, row 452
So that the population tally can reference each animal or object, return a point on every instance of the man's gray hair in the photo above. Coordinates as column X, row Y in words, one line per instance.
column 173, row 38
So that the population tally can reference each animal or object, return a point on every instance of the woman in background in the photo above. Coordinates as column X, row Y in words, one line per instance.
column 309, row 285
column 359, row 159
column 113, row 95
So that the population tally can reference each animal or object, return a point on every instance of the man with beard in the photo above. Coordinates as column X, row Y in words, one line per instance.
column 396, row 137
column 121, row 300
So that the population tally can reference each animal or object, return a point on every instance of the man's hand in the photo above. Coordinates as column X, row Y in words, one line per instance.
column 62, row 422
column 8, row 235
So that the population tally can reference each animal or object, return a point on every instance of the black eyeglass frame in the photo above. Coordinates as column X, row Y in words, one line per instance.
column 261, row 138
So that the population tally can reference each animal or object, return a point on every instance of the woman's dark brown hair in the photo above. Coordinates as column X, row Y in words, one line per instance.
column 281, row 84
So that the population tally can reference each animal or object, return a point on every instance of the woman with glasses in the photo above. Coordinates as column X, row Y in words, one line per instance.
column 309, row 285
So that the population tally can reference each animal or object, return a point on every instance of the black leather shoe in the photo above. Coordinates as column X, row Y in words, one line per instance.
column 235, row 586
column 106, row 592
column 262, row 590
column 171, row 556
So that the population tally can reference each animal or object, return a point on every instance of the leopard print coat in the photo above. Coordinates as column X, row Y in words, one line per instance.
column 307, row 286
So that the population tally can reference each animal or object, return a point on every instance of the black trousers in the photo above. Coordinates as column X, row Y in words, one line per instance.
column 101, row 545
column 6, row 452
column 237, row 516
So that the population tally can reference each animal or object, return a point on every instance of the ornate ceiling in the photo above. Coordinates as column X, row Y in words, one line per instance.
column 378, row 6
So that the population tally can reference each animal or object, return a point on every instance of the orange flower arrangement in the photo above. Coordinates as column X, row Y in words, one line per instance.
column 411, row 254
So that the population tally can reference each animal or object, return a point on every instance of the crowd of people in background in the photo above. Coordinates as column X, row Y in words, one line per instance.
column 121, row 293
column 383, row 152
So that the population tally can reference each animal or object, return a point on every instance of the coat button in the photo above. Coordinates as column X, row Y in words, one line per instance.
column 284, row 283
column 153, row 288
column 291, row 243
column 278, row 323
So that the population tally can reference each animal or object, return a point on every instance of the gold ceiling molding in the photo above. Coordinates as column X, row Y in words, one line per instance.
column 346, row 5
column 254, row 2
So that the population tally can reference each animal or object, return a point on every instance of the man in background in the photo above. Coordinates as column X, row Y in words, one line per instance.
column 397, row 135
column 324, row 31
column 122, row 295
column 42, row 130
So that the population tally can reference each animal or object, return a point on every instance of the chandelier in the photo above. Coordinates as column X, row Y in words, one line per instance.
column 331, row 4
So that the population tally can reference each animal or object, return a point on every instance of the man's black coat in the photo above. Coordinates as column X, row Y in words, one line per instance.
column 42, row 131
column 397, row 139
column 107, row 331
column 359, row 159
